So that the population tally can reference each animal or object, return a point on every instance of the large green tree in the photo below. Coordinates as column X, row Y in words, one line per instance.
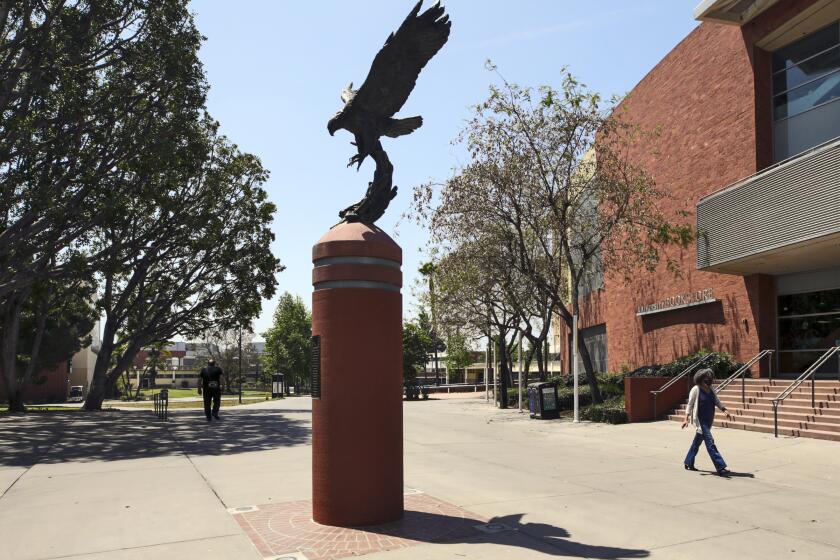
column 192, row 256
column 96, row 95
column 288, row 342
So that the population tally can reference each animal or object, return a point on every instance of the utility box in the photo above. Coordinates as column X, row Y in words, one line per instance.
column 542, row 400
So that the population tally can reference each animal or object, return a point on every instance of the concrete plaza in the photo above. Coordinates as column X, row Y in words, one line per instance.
column 125, row 486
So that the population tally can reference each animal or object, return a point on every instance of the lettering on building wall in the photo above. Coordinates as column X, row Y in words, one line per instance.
column 689, row 299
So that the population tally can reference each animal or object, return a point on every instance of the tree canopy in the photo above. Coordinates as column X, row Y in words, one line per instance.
column 549, row 199
column 288, row 341
column 417, row 344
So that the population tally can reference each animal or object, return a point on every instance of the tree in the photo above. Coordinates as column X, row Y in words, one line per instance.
column 428, row 270
column 223, row 346
column 416, row 347
column 193, row 256
column 458, row 354
column 99, row 99
column 156, row 356
column 473, row 293
column 288, row 343
column 88, row 87
column 551, row 182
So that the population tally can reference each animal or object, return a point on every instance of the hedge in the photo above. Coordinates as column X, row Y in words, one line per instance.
column 610, row 411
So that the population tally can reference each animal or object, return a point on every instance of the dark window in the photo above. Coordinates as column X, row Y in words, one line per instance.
column 806, row 93
column 809, row 324
column 826, row 301
column 595, row 340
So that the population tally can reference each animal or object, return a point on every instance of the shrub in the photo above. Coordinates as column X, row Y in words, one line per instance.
column 610, row 411
column 720, row 363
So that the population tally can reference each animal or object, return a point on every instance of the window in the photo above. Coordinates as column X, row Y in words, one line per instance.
column 806, row 93
column 809, row 324
column 595, row 340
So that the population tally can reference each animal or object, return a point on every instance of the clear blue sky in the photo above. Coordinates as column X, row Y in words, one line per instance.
column 276, row 68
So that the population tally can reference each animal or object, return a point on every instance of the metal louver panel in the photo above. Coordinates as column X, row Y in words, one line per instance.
column 795, row 201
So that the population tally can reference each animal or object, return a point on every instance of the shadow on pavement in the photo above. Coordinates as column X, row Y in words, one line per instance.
column 730, row 474
column 546, row 539
column 115, row 436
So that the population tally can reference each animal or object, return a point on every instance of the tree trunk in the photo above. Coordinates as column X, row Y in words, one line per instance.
column 590, row 371
column 503, row 362
column 98, row 385
column 11, row 328
column 96, row 391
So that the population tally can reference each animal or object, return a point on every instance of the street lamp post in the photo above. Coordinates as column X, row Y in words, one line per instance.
column 521, row 365
column 575, row 368
column 240, row 363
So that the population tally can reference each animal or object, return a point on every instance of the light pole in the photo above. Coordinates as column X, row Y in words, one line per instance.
column 520, row 372
column 575, row 369
column 240, row 363
column 487, row 370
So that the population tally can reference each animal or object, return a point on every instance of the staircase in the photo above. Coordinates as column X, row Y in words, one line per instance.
column 796, row 417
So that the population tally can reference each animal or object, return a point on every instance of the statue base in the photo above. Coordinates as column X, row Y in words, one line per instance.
column 357, row 453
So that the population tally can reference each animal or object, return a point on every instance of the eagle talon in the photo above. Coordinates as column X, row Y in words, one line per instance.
column 356, row 160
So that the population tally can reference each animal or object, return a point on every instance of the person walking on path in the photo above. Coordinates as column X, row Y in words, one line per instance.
column 211, row 388
column 700, row 411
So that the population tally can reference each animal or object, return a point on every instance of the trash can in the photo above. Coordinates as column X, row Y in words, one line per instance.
column 542, row 400
column 277, row 383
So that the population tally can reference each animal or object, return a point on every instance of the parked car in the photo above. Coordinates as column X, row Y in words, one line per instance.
column 77, row 394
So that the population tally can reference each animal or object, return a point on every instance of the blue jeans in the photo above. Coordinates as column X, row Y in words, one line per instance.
column 705, row 435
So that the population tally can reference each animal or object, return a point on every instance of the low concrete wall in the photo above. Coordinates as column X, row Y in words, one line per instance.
column 457, row 388
column 638, row 402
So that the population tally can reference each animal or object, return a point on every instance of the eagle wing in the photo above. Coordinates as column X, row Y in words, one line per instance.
column 396, row 67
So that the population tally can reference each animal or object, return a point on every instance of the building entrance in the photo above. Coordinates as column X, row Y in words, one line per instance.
column 808, row 325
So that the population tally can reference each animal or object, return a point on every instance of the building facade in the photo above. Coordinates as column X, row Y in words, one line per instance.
column 748, row 109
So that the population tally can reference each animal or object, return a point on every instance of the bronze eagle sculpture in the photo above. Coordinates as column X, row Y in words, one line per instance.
column 368, row 112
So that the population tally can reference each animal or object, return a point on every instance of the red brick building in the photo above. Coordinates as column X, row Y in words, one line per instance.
column 748, row 105
column 50, row 386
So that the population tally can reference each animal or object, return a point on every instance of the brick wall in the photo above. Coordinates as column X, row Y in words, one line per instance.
column 53, row 389
column 709, row 98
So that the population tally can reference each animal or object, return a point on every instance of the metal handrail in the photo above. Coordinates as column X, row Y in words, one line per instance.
column 741, row 373
column 808, row 373
column 676, row 378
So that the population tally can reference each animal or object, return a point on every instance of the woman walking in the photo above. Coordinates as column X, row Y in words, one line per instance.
column 700, row 411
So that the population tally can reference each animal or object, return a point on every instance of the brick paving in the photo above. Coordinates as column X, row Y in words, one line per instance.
column 287, row 528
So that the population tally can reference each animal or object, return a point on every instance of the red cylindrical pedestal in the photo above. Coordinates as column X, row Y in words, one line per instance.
column 357, row 459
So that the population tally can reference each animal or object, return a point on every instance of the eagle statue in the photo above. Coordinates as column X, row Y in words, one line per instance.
column 368, row 112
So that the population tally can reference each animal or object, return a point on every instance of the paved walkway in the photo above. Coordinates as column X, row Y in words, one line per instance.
column 122, row 486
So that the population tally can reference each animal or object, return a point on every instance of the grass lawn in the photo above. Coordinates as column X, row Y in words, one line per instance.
column 181, row 393
column 191, row 404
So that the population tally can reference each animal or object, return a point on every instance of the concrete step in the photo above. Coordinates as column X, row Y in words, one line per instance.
column 785, row 423
column 801, row 390
column 783, row 431
column 793, row 401
column 786, row 415
column 775, row 382
column 786, row 407
column 796, row 416
column 786, row 419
